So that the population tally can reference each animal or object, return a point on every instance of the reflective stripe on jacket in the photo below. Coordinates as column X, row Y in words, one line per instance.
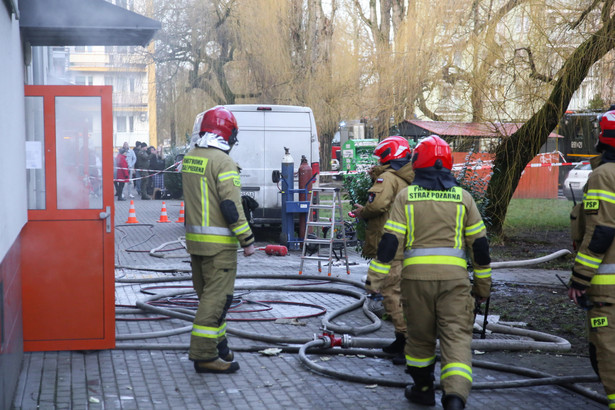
column 437, row 228
column 209, row 177
column 592, row 266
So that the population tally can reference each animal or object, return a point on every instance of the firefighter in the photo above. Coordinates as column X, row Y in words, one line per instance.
column 215, row 226
column 392, row 175
column 592, row 283
column 436, row 221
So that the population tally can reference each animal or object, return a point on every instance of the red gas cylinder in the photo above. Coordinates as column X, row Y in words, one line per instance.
column 276, row 250
column 305, row 174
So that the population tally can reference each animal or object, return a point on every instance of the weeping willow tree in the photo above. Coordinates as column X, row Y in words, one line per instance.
column 291, row 53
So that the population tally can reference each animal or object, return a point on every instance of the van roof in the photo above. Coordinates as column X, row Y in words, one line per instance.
column 267, row 107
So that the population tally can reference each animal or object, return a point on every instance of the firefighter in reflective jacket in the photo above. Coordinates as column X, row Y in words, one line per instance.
column 392, row 175
column 215, row 226
column 436, row 221
column 592, row 284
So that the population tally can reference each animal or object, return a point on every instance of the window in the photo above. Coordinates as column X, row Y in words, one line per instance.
column 131, row 123
column 80, row 80
column 121, row 123
column 108, row 80
column 132, row 84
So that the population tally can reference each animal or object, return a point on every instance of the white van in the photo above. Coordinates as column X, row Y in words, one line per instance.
column 264, row 131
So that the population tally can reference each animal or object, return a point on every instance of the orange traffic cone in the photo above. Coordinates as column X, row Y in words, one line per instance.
column 181, row 213
column 132, row 214
column 163, row 214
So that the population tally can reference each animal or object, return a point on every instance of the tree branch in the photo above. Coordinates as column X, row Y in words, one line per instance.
column 422, row 104
column 585, row 13
column 533, row 72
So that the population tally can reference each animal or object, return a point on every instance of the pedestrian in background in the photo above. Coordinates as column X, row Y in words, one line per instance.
column 143, row 159
column 137, row 180
column 131, row 159
column 215, row 226
column 436, row 221
column 393, row 174
column 122, row 173
column 592, row 283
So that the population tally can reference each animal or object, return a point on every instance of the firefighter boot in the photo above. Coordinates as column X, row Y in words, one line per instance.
column 224, row 352
column 422, row 391
column 398, row 344
column 397, row 348
column 215, row 366
column 452, row 402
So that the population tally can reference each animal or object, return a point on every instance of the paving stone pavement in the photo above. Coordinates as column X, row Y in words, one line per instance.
column 155, row 373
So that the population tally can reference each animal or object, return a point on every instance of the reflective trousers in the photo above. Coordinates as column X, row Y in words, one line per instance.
column 213, row 278
column 601, row 331
column 391, row 293
column 445, row 310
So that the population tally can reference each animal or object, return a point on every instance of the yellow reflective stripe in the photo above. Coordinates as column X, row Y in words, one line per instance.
column 459, row 226
column 482, row 273
column 416, row 362
column 209, row 332
column 436, row 260
column 601, row 195
column 603, row 279
column 456, row 369
column 395, row 227
column 204, row 202
column 611, row 398
column 474, row 229
column 194, row 165
column 383, row 268
column 241, row 228
column 587, row 260
column 228, row 175
column 410, row 223
column 211, row 238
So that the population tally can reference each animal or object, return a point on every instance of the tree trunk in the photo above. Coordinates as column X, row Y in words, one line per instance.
column 516, row 151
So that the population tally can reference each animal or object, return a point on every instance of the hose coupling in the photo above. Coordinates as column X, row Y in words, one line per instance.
column 330, row 340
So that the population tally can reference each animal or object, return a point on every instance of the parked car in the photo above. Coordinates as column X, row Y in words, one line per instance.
column 575, row 181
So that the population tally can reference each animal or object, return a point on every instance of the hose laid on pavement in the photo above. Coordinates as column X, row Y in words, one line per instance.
column 545, row 341
column 529, row 262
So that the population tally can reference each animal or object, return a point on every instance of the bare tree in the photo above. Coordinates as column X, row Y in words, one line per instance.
column 518, row 150
column 192, row 50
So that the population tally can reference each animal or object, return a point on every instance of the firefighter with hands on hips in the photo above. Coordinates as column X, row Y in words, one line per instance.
column 437, row 223
column 215, row 226
column 592, row 283
column 393, row 174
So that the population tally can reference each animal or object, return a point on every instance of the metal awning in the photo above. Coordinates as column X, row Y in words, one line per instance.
column 83, row 22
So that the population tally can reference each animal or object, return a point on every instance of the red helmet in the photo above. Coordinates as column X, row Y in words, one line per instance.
column 607, row 129
column 392, row 148
column 220, row 121
column 431, row 150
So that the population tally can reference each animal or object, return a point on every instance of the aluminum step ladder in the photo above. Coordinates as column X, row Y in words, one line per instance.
column 325, row 245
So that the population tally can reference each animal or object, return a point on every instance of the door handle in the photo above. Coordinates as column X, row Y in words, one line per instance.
column 107, row 216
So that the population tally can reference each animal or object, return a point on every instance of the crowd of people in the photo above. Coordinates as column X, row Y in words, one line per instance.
column 138, row 171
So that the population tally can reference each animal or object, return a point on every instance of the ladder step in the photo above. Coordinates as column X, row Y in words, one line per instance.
column 324, row 241
column 314, row 223
column 317, row 258
column 324, row 207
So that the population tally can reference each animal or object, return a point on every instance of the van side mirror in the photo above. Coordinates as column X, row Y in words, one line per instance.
column 275, row 176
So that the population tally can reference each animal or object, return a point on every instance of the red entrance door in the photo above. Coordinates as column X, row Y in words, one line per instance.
column 67, row 249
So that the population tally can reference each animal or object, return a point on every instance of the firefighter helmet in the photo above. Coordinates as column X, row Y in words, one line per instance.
column 392, row 148
column 220, row 121
column 432, row 151
column 607, row 129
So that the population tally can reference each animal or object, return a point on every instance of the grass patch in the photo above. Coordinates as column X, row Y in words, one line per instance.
column 538, row 214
